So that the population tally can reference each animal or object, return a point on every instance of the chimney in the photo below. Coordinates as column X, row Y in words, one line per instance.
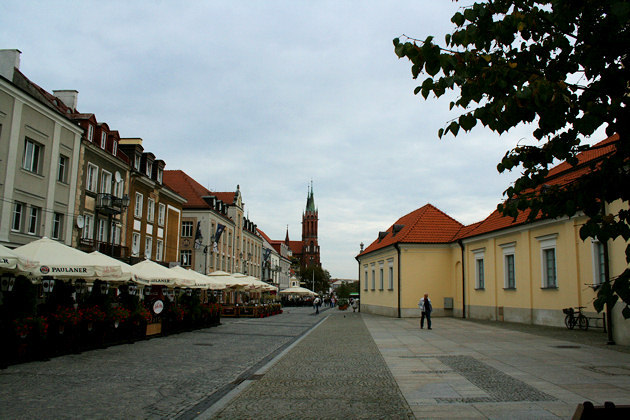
column 68, row 97
column 9, row 61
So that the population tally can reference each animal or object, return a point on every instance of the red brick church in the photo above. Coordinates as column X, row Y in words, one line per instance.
column 306, row 251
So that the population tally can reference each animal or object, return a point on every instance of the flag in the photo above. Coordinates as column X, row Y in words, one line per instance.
column 198, row 236
column 217, row 236
column 266, row 254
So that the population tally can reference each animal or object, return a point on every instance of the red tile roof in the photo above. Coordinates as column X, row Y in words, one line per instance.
column 227, row 197
column 264, row 236
column 429, row 225
column 426, row 225
column 188, row 188
column 296, row 247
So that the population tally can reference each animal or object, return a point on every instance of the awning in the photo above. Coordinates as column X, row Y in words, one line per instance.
column 200, row 280
column 156, row 274
column 13, row 261
column 300, row 291
column 61, row 261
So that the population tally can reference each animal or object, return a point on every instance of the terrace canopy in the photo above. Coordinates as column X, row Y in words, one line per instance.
column 299, row 291
column 63, row 262
column 13, row 261
column 201, row 281
column 156, row 274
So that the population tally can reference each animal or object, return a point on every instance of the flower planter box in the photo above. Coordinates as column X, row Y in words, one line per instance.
column 154, row 329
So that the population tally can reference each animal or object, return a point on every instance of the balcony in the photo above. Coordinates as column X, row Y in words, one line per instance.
column 115, row 251
column 110, row 204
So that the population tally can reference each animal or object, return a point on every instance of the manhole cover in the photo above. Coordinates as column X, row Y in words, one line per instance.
column 567, row 347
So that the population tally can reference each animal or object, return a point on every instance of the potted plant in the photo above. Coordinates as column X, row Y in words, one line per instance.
column 91, row 315
column 342, row 304
column 22, row 327
column 118, row 315
column 65, row 316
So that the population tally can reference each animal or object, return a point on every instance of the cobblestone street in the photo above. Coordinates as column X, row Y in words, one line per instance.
column 351, row 365
column 159, row 378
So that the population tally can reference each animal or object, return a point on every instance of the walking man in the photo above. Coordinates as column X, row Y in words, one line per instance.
column 425, row 308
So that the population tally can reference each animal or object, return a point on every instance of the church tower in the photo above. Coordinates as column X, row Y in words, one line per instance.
column 310, row 246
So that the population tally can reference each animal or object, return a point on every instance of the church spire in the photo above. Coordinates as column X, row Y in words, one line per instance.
column 310, row 200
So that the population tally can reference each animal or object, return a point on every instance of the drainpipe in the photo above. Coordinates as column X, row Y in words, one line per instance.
column 461, row 245
column 609, row 325
column 398, row 249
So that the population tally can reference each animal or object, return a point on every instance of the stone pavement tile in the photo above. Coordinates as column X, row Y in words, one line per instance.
column 452, row 411
column 525, row 411
column 336, row 371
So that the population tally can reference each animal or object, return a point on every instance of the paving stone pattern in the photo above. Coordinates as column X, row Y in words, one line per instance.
column 498, row 385
column 154, row 379
column 313, row 381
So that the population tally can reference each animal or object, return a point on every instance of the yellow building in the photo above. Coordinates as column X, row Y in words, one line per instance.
column 500, row 269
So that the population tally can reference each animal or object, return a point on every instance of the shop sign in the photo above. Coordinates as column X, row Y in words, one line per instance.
column 158, row 306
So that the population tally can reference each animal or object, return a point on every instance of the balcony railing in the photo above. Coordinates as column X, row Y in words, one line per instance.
column 110, row 204
column 115, row 251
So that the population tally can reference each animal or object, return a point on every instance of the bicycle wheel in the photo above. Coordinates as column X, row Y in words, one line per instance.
column 569, row 321
column 582, row 322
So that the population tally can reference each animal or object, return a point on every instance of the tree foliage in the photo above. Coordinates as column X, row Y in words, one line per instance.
column 562, row 66
column 316, row 274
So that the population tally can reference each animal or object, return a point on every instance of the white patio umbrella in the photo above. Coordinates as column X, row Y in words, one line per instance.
column 300, row 291
column 156, row 274
column 228, row 279
column 201, row 281
column 127, row 271
column 63, row 262
column 12, row 261
column 246, row 282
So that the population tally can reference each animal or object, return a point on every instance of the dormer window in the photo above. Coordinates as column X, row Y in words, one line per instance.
column 90, row 135
column 149, row 168
column 103, row 140
column 160, row 171
column 114, row 148
column 136, row 164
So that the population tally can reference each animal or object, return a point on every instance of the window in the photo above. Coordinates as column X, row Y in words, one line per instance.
column 106, row 182
column 115, row 233
column 90, row 132
column 114, row 148
column 149, row 168
column 161, row 214
column 33, row 220
column 135, row 244
column 185, row 257
column 373, row 277
column 390, row 263
column 88, row 226
column 510, row 281
column 365, row 276
column 160, row 172
column 119, row 188
column 509, row 272
column 92, row 180
column 159, row 250
column 103, row 140
column 187, row 229
column 102, row 230
column 32, row 156
column 381, row 276
column 599, row 267
column 136, row 162
column 148, row 247
column 62, row 172
column 548, row 261
column 150, row 210
column 57, row 225
column 18, row 210
column 480, row 281
column 137, row 211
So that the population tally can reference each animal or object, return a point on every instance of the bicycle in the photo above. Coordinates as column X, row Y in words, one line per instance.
column 574, row 318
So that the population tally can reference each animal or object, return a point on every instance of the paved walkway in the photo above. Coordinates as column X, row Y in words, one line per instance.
column 460, row 369
column 332, row 365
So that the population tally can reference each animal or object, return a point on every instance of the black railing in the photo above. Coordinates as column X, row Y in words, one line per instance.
column 115, row 251
column 110, row 204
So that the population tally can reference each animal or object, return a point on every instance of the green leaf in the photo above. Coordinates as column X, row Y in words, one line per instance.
column 432, row 66
column 440, row 132
column 454, row 128
column 458, row 19
column 626, row 312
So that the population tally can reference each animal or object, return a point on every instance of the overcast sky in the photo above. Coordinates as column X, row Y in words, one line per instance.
column 270, row 95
